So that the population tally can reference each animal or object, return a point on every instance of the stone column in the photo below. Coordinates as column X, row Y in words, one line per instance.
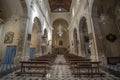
column 39, row 38
column 50, row 46
column 1, row 40
column 26, row 43
column 94, row 42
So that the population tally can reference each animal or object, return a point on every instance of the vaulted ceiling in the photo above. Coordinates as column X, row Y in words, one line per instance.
column 60, row 5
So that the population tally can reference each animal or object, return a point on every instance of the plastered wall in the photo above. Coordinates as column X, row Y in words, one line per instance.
column 83, row 11
column 10, row 26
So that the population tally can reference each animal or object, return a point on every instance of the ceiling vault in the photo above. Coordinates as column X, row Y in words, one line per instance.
column 60, row 5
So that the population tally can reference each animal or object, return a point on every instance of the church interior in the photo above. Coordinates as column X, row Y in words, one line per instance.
column 59, row 39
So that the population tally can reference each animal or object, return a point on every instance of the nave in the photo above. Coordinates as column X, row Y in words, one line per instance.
column 60, row 70
column 31, row 30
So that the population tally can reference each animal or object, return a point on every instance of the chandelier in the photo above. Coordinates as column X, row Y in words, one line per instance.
column 60, row 33
column 103, row 18
column 104, row 14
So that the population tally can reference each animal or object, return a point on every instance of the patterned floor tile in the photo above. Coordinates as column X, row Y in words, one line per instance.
column 59, row 71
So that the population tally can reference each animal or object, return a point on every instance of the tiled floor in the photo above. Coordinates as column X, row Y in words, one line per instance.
column 59, row 71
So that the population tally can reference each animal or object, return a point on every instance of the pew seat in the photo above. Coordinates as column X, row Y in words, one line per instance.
column 30, row 73
column 89, row 74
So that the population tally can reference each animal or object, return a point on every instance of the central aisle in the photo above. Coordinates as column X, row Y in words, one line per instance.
column 60, row 69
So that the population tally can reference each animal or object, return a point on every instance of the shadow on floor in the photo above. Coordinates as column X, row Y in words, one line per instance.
column 115, row 73
column 6, row 72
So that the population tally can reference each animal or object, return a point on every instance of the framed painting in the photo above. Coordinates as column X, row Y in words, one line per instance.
column 9, row 37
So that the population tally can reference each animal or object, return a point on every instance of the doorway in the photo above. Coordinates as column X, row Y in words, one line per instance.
column 32, row 53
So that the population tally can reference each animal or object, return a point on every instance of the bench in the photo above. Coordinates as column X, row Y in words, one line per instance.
column 41, row 64
column 30, row 73
column 83, row 66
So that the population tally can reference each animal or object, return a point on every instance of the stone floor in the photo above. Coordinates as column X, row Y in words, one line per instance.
column 59, row 71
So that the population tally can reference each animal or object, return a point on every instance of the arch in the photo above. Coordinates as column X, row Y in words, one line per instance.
column 61, row 21
column 75, row 41
column 63, row 24
column 24, row 6
column 82, row 23
column 18, row 13
column 60, row 33
column 35, row 45
column 37, row 24
column 60, row 16
column 84, row 38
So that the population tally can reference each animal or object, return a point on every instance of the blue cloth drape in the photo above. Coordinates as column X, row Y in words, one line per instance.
column 32, row 52
column 9, row 55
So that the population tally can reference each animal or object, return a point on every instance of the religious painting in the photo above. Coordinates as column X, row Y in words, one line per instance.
column 9, row 37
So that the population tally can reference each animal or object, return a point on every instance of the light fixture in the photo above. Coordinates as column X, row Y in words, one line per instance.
column 60, row 9
column 103, row 18
column 103, row 14
column 60, row 33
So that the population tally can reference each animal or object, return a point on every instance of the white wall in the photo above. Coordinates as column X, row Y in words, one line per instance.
column 64, row 15
column 38, row 10
column 83, row 11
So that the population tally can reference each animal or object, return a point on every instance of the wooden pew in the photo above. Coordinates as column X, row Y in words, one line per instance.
column 77, row 64
column 42, row 64
column 48, row 57
column 92, row 68
column 26, row 66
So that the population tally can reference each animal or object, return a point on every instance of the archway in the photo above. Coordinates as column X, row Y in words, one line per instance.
column 35, row 38
column 60, row 36
column 84, row 38
column 75, row 41
column 105, row 14
column 13, row 23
